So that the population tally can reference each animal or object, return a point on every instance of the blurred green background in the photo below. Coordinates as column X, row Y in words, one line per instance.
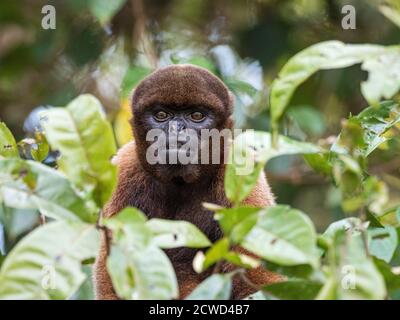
column 106, row 47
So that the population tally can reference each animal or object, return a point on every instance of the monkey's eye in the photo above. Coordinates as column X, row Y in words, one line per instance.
column 161, row 116
column 197, row 116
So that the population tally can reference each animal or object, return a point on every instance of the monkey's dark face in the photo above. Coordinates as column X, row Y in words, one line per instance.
column 172, row 108
column 174, row 140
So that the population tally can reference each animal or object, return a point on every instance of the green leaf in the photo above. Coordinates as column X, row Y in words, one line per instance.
column 104, row 10
column 392, row 278
column 221, row 251
column 41, row 149
column 251, row 150
column 293, row 289
column 238, row 86
column 31, row 185
column 371, row 125
column 353, row 273
column 46, row 264
column 215, row 287
column 138, row 268
column 37, row 147
column 203, row 62
column 216, row 253
column 86, row 142
column 228, row 218
column 8, row 146
column 384, row 77
column 141, row 274
column 320, row 163
column 132, row 77
column 351, row 224
column 284, row 236
column 382, row 242
column 129, row 228
column 174, row 234
column 392, row 11
column 330, row 55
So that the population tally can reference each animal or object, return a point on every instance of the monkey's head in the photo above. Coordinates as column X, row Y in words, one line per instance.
column 174, row 109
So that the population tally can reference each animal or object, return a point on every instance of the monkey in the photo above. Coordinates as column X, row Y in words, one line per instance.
column 190, row 98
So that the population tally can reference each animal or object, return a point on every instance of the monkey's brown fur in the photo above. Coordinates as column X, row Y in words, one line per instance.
column 138, row 185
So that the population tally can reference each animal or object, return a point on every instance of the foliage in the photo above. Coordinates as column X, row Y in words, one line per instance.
column 64, row 172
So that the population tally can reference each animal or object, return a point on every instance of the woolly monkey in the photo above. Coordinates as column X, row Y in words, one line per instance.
column 177, row 99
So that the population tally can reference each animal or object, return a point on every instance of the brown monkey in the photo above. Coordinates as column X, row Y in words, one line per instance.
column 188, row 97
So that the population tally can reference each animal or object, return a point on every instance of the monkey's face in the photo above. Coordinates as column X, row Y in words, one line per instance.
column 176, row 140
column 174, row 110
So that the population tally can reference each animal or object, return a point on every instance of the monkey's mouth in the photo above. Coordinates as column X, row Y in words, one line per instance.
column 178, row 181
column 178, row 156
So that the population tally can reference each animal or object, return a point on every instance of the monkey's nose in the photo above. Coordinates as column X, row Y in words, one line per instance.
column 176, row 127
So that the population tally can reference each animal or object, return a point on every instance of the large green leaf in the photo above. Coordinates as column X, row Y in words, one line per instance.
column 384, row 77
column 31, row 185
column 382, row 242
column 138, row 268
column 215, row 287
column 351, row 224
column 86, row 142
column 250, row 151
column 173, row 234
column 392, row 278
column 284, row 236
column 141, row 274
column 353, row 274
column 8, row 146
column 46, row 264
column 293, row 289
column 333, row 55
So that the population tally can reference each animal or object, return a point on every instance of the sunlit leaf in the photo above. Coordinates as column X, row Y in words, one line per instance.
column 141, row 274
column 31, row 185
column 221, row 251
column 382, row 242
column 251, row 150
column 284, row 236
column 8, row 146
column 363, row 133
column 392, row 278
column 46, row 264
column 353, row 274
column 330, row 55
column 228, row 218
column 384, row 77
column 138, row 268
column 215, row 287
column 85, row 139
column 174, row 234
